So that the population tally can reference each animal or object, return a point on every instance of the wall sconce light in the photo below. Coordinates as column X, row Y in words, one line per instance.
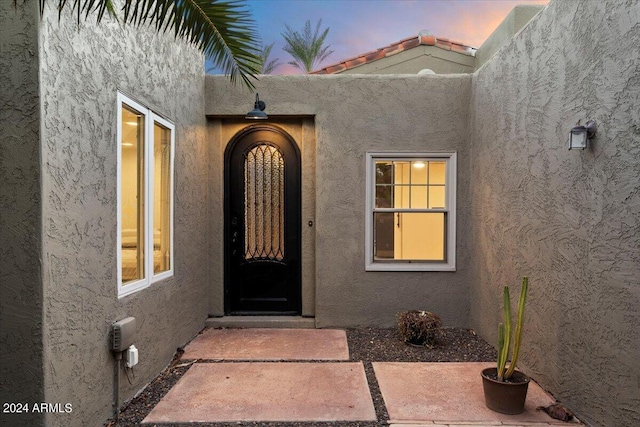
column 579, row 135
column 258, row 111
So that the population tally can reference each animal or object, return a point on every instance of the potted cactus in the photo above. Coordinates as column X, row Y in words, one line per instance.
column 505, row 389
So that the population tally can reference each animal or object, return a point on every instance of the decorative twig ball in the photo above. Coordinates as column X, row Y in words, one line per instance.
column 419, row 327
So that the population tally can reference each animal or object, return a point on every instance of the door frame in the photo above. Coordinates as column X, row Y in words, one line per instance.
column 297, row 229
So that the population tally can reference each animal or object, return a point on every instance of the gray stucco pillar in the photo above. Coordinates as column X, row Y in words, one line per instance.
column 21, row 368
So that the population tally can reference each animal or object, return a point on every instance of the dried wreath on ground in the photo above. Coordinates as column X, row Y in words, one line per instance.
column 419, row 327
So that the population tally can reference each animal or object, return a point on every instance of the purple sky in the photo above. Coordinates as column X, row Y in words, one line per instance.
column 359, row 26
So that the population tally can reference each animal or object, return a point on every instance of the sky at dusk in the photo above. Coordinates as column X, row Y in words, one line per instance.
column 359, row 26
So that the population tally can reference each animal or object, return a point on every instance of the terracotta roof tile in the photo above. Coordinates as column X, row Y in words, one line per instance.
column 424, row 38
column 354, row 62
column 373, row 56
column 427, row 38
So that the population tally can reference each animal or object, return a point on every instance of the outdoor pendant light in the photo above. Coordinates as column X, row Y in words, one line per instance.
column 258, row 111
column 579, row 135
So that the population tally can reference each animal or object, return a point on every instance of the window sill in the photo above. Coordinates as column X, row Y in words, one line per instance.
column 133, row 287
column 409, row 266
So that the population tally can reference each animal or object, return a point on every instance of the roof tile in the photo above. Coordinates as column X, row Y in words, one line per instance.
column 423, row 38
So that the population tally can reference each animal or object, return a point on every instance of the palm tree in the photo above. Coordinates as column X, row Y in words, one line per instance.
column 222, row 29
column 306, row 47
column 267, row 67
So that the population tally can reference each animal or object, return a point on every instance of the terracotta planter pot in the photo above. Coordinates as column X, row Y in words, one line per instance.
column 505, row 397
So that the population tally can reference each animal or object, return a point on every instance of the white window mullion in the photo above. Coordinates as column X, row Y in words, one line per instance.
column 165, row 124
column 172, row 193
column 128, row 288
column 370, row 204
column 119, row 191
column 148, row 205
column 450, row 200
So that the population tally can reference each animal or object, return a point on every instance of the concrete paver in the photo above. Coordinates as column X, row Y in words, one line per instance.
column 261, row 386
column 480, row 424
column 448, row 393
column 268, row 391
column 269, row 344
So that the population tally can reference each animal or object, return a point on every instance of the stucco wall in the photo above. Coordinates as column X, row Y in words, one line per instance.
column 353, row 115
column 21, row 370
column 81, row 70
column 411, row 61
column 570, row 220
column 519, row 16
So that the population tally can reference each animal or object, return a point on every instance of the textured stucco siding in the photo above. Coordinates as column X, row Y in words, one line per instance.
column 21, row 369
column 413, row 60
column 81, row 70
column 519, row 16
column 570, row 220
column 353, row 115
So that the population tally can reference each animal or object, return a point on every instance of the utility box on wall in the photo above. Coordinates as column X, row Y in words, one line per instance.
column 123, row 332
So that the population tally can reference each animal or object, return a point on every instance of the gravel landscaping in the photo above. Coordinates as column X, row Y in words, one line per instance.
column 366, row 345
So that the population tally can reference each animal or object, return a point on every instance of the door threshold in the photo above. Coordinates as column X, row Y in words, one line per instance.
column 264, row 313
column 285, row 322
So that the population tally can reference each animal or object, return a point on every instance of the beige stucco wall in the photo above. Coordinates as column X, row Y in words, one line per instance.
column 570, row 220
column 353, row 115
column 81, row 70
column 567, row 219
column 519, row 16
column 411, row 61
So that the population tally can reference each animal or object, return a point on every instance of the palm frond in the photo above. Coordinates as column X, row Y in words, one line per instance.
column 222, row 30
column 306, row 47
column 268, row 66
column 82, row 7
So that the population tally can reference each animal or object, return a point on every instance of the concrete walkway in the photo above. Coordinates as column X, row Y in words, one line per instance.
column 304, row 375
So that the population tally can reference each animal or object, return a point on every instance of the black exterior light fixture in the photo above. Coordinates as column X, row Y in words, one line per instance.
column 258, row 110
column 580, row 135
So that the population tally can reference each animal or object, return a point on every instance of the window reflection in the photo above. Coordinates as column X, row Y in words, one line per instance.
column 132, row 178
column 161, row 199
column 408, row 189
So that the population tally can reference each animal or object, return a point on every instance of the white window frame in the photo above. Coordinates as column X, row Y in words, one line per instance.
column 150, row 119
column 450, row 193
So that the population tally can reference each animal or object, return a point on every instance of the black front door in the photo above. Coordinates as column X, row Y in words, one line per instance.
column 262, row 223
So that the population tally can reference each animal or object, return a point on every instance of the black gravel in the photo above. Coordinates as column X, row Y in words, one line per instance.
column 365, row 345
